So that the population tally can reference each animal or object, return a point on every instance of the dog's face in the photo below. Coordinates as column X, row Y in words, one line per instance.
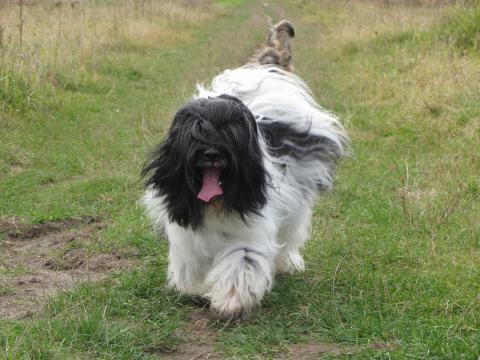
column 211, row 155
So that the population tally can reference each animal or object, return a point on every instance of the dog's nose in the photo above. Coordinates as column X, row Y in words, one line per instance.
column 211, row 154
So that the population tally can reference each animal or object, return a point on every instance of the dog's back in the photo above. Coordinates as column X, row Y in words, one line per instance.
column 301, row 137
column 296, row 129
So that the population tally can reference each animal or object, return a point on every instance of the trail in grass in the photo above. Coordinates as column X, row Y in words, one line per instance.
column 81, row 155
column 392, row 263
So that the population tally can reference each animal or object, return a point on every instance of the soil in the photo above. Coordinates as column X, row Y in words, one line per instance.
column 37, row 261
column 200, row 338
column 316, row 350
column 201, row 335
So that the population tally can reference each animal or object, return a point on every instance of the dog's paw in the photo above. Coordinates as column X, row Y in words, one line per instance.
column 184, row 285
column 231, row 307
column 290, row 262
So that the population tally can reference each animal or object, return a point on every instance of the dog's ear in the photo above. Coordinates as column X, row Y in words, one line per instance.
column 172, row 177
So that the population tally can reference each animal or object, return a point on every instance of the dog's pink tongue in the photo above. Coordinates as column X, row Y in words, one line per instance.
column 211, row 184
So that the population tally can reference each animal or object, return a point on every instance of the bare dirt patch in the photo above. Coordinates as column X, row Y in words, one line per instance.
column 37, row 261
column 314, row 351
column 199, row 337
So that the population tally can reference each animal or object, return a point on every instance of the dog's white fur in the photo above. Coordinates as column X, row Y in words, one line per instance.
column 232, row 262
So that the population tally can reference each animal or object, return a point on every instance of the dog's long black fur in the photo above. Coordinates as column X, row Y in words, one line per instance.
column 226, row 124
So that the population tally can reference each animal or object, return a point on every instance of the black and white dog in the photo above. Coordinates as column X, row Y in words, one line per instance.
column 233, row 184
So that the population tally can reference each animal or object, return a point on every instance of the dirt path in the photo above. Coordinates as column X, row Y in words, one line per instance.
column 40, row 260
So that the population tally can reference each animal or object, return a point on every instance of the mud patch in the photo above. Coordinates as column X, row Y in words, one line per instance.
column 15, row 229
column 317, row 350
column 37, row 261
column 199, row 337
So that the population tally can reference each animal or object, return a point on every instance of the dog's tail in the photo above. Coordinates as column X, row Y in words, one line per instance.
column 277, row 50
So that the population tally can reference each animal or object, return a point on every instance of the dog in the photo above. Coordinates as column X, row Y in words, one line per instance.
column 233, row 184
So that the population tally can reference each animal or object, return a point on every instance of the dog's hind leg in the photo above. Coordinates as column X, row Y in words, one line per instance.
column 293, row 235
column 277, row 50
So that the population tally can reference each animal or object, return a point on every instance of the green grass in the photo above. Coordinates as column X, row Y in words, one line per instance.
column 395, row 248
column 462, row 29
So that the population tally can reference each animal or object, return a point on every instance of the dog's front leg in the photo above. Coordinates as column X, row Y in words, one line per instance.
column 238, row 280
column 186, row 267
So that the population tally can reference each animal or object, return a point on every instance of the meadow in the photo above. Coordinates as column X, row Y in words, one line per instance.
column 392, row 266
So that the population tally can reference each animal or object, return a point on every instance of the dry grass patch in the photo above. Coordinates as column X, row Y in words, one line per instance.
column 42, row 38
column 396, row 54
column 362, row 21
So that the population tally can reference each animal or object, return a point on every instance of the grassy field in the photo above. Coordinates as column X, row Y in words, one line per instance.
column 393, row 261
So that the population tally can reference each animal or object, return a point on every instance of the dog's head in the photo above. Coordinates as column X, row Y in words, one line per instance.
column 211, row 155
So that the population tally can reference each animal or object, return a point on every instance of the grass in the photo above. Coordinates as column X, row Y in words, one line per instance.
column 395, row 248
column 463, row 29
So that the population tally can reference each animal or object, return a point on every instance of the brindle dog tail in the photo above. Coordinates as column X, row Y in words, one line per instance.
column 277, row 50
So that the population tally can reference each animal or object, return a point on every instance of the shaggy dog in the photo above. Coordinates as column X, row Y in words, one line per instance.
column 233, row 184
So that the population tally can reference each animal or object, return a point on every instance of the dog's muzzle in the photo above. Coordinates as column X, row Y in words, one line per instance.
column 212, row 162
